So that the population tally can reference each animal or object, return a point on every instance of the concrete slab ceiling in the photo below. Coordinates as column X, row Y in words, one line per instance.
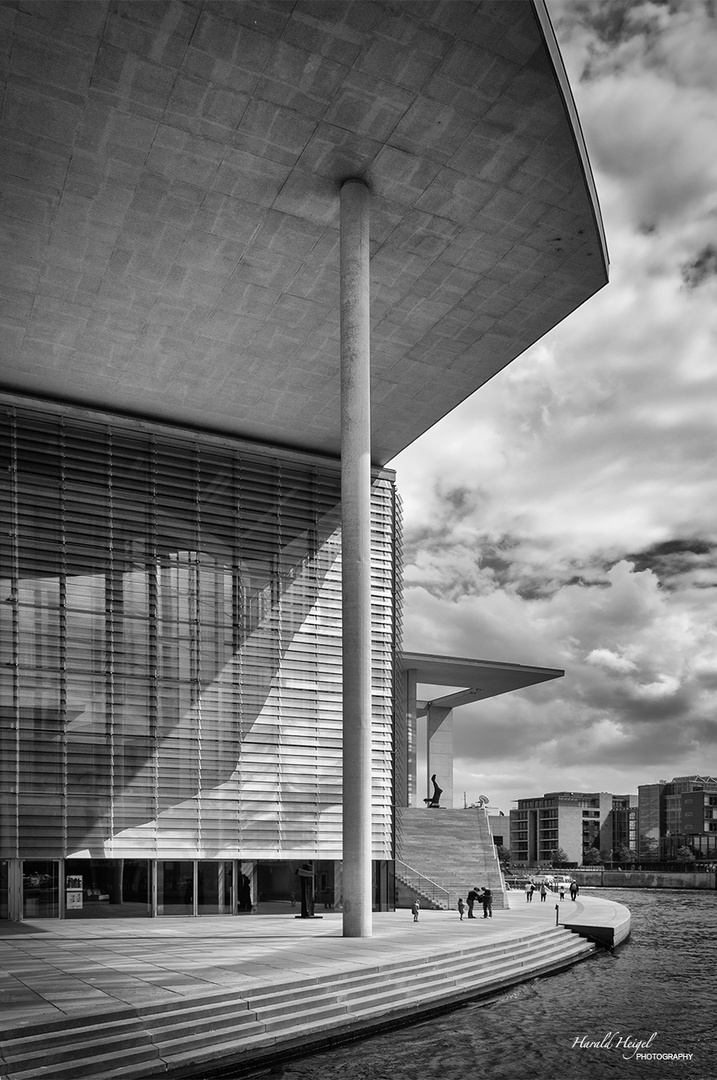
column 479, row 679
column 169, row 206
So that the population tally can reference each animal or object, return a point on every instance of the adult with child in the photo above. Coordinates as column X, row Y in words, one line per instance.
column 471, row 899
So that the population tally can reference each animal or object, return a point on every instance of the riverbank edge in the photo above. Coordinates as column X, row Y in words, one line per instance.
column 646, row 879
column 166, row 1003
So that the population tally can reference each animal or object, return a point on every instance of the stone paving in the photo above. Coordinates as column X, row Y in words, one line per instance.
column 51, row 970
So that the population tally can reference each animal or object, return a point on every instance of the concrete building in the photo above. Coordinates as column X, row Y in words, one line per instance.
column 699, row 822
column 201, row 681
column 625, row 828
column 571, row 820
column 676, row 814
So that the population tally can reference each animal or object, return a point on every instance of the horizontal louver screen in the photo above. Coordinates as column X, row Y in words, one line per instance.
column 170, row 641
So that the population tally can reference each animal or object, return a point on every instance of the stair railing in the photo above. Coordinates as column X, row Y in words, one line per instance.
column 483, row 810
column 422, row 885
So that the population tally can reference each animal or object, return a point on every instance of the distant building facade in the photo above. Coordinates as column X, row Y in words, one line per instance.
column 572, row 820
column 499, row 827
column 624, row 823
column 658, row 822
column 679, row 813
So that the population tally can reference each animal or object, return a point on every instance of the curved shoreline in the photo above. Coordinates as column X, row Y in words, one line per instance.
column 171, row 997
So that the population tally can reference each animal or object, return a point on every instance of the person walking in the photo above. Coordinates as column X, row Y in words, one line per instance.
column 415, row 909
column 543, row 891
column 562, row 891
column 529, row 890
column 461, row 907
column 487, row 901
column 574, row 890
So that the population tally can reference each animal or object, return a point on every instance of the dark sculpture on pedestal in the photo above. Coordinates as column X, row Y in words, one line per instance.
column 306, row 877
column 435, row 799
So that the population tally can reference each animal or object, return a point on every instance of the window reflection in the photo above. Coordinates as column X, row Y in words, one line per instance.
column 170, row 640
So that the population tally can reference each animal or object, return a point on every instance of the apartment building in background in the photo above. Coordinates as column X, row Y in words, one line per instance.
column 678, row 813
column 572, row 821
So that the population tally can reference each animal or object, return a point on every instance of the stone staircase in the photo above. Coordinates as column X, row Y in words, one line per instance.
column 410, row 886
column 221, row 1028
column 453, row 848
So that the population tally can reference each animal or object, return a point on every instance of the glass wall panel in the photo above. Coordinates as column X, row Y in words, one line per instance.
column 107, row 888
column 175, row 888
column 170, row 629
column 214, row 888
column 3, row 889
column 40, row 889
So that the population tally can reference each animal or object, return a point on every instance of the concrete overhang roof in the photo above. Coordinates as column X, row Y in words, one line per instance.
column 169, row 206
column 480, row 678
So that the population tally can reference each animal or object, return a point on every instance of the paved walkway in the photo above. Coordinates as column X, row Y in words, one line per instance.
column 51, row 970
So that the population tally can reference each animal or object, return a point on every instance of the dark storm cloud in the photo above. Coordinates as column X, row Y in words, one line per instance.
column 674, row 560
column 615, row 22
column 701, row 268
column 618, row 29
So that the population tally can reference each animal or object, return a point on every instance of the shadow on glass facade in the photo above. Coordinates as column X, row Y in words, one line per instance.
column 170, row 638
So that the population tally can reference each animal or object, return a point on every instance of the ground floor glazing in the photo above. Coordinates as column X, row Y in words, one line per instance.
column 131, row 888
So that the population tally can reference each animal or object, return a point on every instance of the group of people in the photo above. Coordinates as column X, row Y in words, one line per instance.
column 484, row 897
column 542, row 888
column 477, row 895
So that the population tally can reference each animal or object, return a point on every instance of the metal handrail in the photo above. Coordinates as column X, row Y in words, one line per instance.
column 421, row 884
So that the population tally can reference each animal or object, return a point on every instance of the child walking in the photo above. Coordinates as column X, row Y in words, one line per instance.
column 461, row 907
column 415, row 909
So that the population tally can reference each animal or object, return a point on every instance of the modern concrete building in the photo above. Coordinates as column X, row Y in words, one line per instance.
column 678, row 813
column 202, row 683
column 625, row 828
column 699, row 822
column 573, row 821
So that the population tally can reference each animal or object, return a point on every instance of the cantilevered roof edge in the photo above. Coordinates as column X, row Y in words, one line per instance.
column 494, row 677
column 551, row 43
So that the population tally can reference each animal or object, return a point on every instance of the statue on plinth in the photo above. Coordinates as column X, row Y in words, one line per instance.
column 306, row 877
column 435, row 799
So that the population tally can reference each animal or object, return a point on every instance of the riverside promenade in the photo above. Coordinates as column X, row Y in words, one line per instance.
column 175, row 997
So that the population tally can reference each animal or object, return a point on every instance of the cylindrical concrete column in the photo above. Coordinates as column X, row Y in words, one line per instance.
column 356, row 558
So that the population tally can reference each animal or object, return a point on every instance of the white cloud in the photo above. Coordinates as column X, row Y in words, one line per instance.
column 663, row 686
column 566, row 515
column 607, row 658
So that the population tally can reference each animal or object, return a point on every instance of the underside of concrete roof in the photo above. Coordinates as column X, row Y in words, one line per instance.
column 477, row 679
column 169, row 206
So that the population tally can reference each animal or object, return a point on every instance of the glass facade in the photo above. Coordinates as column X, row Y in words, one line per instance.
column 102, row 888
column 170, row 639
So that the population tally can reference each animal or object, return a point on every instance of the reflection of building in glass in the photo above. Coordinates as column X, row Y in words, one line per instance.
column 678, row 814
column 171, row 620
column 699, row 821
column 624, row 823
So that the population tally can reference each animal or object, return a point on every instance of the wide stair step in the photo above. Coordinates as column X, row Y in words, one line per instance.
column 452, row 848
column 223, row 1027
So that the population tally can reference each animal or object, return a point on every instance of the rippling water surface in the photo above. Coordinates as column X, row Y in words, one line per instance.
column 663, row 981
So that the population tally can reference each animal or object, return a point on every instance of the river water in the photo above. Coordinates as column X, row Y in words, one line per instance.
column 659, row 988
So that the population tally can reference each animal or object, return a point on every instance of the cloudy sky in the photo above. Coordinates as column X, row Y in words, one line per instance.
column 566, row 516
